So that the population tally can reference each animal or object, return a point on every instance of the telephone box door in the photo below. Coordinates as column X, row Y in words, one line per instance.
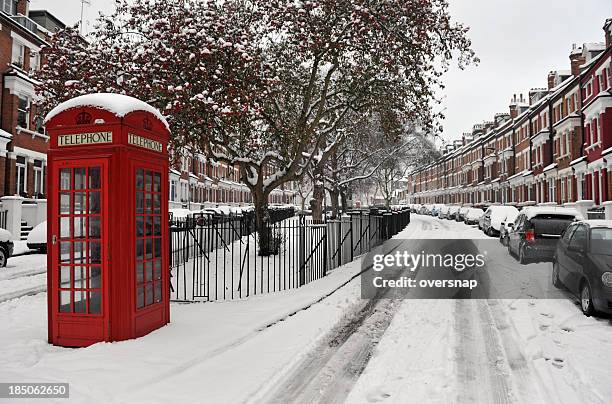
column 79, row 238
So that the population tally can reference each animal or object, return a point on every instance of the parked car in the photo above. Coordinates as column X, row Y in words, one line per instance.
column 436, row 209
column 452, row 212
column 6, row 246
column 460, row 216
column 506, row 226
column 493, row 218
column 537, row 231
column 444, row 212
column 37, row 239
column 473, row 215
column 583, row 264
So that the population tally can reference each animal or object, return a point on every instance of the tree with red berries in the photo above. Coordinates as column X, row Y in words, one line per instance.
column 264, row 85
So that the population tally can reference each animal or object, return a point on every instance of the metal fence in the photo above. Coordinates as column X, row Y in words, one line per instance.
column 216, row 257
column 596, row 214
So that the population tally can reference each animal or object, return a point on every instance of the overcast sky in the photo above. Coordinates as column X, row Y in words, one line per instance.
column 517, row 41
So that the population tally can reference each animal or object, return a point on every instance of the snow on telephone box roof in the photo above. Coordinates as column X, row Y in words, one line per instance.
column 118, row 104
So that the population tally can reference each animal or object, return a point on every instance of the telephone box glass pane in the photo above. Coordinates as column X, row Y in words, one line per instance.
column 95, row 278
column 149, row 249
column 65, row 179
column 79, row 202
column 139, row 226
column 79, row 178
column 95, row 255
column 139, row 272
column 157, row 203
column 64, row 301
column 65, row 251
column 64, row 224
column 79, row 227
column 157, row 247
column 157, row 269
column 139, row 250
column 158, row 292
column 140, row 297
column 149, row 226
column 148, row 271
column 149, row 294
column 64, row 204
column 80, row 301
column 139, row 202
column 94, row 227
column 64, row 278
column 95, row 302
column 79, row 252
column 80, row 277
column 94, row 178
column 148, row 203
column 94, row 202
column 157, row 182
column 157, row 226
column 139, row 179
column 148, row 181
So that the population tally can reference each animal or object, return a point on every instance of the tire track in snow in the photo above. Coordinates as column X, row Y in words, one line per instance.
column 481, row 374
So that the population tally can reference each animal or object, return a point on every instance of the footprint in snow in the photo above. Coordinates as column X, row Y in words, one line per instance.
column 377, row 395
column 558, row 363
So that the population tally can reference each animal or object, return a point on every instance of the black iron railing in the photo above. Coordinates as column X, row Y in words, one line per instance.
column 217, row 257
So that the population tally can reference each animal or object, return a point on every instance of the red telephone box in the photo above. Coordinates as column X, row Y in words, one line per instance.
column 107, row 269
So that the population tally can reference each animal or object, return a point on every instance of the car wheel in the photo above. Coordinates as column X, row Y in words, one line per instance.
column 555, row 276
column 3, row 257
column 522, row 256
column 586, row 299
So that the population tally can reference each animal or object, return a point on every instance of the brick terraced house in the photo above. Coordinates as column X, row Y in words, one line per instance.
column 555, row 147
column 23, row 142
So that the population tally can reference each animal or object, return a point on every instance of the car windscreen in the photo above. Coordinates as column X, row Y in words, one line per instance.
column 601, row 241
column 550, row 225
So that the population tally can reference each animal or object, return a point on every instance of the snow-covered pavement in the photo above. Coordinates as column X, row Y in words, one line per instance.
column 23, row 275
column 323, row 343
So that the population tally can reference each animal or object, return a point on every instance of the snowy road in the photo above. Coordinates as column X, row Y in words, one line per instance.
column 489, row 351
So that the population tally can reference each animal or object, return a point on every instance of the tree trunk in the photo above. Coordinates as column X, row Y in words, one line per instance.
column 262, row 223
column 344, row 201
column 318, row 196
column 334, row 196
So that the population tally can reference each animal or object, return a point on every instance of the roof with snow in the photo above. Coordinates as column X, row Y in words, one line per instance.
column 118, row 104
column 532, row 211
column 598, row 223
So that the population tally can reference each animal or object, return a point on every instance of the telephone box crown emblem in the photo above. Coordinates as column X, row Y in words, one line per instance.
column 146, row 123
column 83, row 118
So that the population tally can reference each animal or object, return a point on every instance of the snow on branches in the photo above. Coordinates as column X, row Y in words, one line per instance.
column 266, row 85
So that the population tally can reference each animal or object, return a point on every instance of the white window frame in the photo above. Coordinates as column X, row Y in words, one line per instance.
column 9, row 7
column 18, row 167
column 39, row 178
column 598, row 119
column 26, row 111
column 18, row 53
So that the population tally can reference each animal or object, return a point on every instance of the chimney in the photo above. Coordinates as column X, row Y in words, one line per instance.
column 551, row 80
column 608, row 32
column 576, row 60
column 23, row 7
column 514, row 107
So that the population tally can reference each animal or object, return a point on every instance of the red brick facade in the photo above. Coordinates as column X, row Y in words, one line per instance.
column 554, row 147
